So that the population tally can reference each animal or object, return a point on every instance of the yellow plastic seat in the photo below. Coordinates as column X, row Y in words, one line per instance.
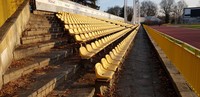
column 102, row 73
column 121, row 47
column 67, row 27
column 96, row 34
column 86, row 29
column 104, row 41
column 119, row 52
column 93, row 34
column 71, row 31
column 111, row 61
column 83, row 37
column 87, row 36
column 90, row 49
column 116, row 53
column 79, row 31
column 90, row 35
column 117, row 58
column 71, row 26
column 97, row 44
column 106, row 38
column 94, row 46
column 84, row 53
column 107, row 65
column 100, row 43
column 78, row 38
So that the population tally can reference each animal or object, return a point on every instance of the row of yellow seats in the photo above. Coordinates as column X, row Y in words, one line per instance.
column 95, row 47
column 75, row 26
column 71, row 15
column 116, row 22
column 83, row 20
column 78, row 19
column 93, row 35
column 68, row 19
column 105, row 69
column 89, row 29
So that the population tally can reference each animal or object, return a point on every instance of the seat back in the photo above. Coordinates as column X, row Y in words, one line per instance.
column 78, row 38
column 109, row 59
column 94, row 45
column 83, row 50
column 89, row 48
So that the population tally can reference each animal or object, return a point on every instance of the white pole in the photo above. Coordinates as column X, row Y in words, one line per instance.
column 125, row 14
column 139, row 12
column 134, row 12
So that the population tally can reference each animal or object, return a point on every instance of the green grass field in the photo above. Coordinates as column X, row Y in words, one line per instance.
column 195, row 26
column 191, row 26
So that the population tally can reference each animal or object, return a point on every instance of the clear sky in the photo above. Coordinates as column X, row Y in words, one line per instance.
column 104, row 4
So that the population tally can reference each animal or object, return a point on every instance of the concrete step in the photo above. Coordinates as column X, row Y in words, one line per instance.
column 44, row 21
column 29, row 64
column 82, row 86
column 35, row 17
column 31, row 49
column 50, row 29
column 40, row 38
column 42, row 81
column 30, row 32
column 45, row 25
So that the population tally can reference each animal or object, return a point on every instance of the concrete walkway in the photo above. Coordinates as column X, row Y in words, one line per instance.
column 142, row 73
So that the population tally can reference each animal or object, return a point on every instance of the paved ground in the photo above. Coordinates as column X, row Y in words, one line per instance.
column 142, row 74
column 188, row 35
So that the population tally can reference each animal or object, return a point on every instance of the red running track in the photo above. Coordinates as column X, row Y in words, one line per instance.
column 190, row 36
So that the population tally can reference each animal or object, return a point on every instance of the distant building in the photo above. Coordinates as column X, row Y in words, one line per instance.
column 142, row 19
column 191, row 15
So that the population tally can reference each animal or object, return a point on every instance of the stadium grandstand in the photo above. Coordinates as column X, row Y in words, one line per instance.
column 63, row 48
column 191, row 15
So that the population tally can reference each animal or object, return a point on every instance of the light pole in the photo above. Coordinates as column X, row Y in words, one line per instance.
column 136, row 12
column 125, row 13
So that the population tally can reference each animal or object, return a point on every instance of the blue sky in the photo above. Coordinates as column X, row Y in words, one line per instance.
column 104, row 4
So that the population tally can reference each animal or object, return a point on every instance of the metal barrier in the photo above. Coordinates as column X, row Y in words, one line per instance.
column 179, row 53
column 7, row 8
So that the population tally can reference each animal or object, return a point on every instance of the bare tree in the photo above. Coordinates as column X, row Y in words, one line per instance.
column 178, row 10
column 114, row 10
column 167, row 7
column 148, row 8
column 129, row 13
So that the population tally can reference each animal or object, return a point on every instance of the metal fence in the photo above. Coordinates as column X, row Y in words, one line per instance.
column 7, row 8
column 186, row 61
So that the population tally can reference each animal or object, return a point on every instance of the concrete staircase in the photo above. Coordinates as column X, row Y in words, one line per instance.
column 44, row 59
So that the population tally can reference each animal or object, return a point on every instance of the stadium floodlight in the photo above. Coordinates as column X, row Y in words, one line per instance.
column 136, row 12
column 125, row 11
